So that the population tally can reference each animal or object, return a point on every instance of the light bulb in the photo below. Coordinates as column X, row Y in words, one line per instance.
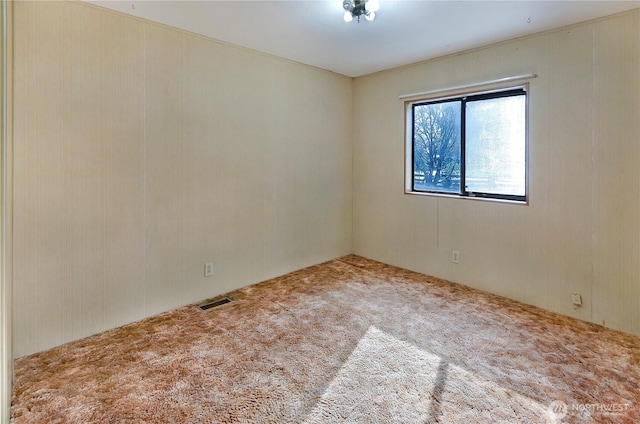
column 348, row 17
column 370, row 16
column 373, row 5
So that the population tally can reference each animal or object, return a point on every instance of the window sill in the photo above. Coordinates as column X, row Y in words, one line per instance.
column 474, row 198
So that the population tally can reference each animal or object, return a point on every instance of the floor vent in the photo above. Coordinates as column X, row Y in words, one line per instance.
column 214, row 303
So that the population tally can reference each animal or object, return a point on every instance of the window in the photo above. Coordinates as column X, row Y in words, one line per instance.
column 471, row 146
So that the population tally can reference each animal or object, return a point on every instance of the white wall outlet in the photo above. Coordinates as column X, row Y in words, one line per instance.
column 208, row 269
column 455, row 257
column 576, row 299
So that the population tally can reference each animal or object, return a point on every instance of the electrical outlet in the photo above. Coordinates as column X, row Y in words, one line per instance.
column 576, row 299
column 455, row 257
column 208, row 269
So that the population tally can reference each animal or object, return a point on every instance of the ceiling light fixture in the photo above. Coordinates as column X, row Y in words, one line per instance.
column 357, row 8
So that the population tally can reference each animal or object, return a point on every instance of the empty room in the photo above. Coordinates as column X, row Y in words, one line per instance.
column 310, row 211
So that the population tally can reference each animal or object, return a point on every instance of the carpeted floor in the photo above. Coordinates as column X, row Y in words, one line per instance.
column 347, row 341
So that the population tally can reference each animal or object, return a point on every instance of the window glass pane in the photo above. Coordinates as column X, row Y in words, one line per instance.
column 436, row 147
column 495, row 146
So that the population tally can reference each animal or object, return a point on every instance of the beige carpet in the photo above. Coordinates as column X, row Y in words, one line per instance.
column 347, row 341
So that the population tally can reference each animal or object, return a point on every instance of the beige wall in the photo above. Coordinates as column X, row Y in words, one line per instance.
column 580, row 232
column 6, row 195
column 142, row 152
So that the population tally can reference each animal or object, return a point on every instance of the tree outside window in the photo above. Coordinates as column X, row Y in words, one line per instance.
column 472, row 146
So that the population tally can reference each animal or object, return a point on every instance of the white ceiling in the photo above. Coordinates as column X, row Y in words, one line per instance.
column 404, row 31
